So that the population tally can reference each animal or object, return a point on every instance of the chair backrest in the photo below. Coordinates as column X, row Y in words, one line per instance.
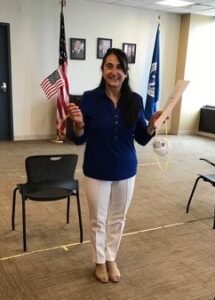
column 50, row 167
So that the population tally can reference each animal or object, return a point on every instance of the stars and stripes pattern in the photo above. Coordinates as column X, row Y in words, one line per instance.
column 52, row 83
column 154, row 79
column 63, row 92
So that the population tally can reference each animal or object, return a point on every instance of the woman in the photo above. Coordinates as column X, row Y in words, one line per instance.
column 109, row 119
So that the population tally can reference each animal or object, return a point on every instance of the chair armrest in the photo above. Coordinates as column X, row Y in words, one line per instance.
column 208, row 161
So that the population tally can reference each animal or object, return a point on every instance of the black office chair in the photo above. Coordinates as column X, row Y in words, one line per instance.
column 210, row 178
column 49, row 177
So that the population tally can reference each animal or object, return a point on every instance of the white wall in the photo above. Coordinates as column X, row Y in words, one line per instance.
column 34, row 52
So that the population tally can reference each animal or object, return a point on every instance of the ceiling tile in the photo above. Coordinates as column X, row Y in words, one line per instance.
column 204, row 7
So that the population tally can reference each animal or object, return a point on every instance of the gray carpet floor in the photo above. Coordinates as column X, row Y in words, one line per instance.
column 165, row 253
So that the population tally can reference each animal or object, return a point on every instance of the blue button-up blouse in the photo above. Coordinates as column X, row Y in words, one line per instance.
column 110, row 153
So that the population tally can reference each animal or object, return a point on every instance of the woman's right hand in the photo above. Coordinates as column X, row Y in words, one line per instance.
column 76, row 115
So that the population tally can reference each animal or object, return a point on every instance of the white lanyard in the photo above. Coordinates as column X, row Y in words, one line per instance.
column 162, row 150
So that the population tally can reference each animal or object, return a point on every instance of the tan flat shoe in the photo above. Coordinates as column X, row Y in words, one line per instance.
column 101, row 273
column 113, row 271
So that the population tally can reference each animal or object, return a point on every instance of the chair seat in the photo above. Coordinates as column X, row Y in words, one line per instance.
column 49, row 194
column 208, row 177
column 48, row 190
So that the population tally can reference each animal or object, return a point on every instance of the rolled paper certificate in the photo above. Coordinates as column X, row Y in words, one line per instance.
column 172, row 101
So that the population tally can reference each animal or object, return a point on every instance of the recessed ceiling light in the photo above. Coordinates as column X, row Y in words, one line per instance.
column 175, row 3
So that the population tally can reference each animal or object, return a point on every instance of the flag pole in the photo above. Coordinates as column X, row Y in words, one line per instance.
column 62, row 3
column 59, row 139
column 153, row 90
column 62, row 62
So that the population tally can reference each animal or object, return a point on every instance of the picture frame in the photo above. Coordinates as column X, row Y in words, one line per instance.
column 103, row 44
column 130, row 50
column 77, row 48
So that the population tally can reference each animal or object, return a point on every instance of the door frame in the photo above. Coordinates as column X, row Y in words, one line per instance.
column 7, row 26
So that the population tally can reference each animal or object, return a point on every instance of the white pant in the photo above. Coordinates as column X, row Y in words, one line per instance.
column 108, row 203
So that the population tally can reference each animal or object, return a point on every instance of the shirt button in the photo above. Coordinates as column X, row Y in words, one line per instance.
column 116, row 122
column 116, row 137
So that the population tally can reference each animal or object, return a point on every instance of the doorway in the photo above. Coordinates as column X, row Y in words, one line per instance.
column 6, row 118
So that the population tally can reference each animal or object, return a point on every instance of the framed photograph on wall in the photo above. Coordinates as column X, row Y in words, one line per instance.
column 77, row 48
column 102, row 46
column 130, row 50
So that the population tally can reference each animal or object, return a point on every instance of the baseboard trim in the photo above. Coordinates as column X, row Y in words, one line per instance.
column 210, row 135
column 33, row 137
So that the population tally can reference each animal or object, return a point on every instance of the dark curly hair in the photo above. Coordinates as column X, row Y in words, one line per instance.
column 130, row 105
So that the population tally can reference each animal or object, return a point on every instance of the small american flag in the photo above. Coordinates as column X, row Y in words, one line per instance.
column 52, row 83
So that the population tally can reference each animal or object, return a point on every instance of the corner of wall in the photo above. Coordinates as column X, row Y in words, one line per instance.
column 180, row 67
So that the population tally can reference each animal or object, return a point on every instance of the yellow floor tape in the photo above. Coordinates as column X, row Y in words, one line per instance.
column 65, row 247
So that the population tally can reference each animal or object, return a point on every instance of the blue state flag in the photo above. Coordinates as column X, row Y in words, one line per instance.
column 154, row 80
